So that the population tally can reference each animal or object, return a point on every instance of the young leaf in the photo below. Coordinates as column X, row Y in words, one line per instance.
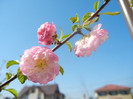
column 131, row 1
column 91, row 21
column 77, row 18
column 10, row 63
column 65, row 36
column 69, row 45
column 8, row 76
column 110, row 13
column 96, row 5
column 12, row 91
column 61, row 70
column 97, row 18
column 87, row 28
column 20, row 76
column 73, row 19
column 87, row 16
column 61, row 34
column 74, row 27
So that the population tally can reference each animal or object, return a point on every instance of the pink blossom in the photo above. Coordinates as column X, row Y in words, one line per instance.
column 46, row 33
column 90, row 43
column 40, row 65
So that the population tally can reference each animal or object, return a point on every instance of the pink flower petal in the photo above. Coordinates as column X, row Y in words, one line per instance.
column 46, row 34
column 97, row 27
column 40, row 65
column 87, row 45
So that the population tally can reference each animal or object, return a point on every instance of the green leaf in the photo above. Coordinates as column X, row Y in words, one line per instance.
column 20, row 76
column 87, row 16
column 110, row 13
column 87, row 28
column 69, row 45
column 131, row 3
column 10, row 63
column 74, row 27
column 97, row 19
column 12, row 91
column 105, row 0
column 77, row 18
column 65, row 36
column 8, row 76
column 61, row 34
column 91, row 21
column 73, row 19
column 61, row 70
column 96, row 5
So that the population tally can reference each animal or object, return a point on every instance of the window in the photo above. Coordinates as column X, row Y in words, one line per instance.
column 26, row 96
column 56, row 96
column 52, row 97
column 7, row 98
column 33, row 90
column 113, row 92
column 102, row 93
column 124, row 92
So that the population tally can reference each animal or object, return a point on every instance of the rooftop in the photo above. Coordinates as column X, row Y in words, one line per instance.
column 112, row 88
column 47, row 89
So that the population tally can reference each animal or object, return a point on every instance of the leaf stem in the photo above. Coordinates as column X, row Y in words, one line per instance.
column 81, row 33
column 78, row 31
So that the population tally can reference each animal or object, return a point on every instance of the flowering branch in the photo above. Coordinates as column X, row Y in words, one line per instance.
column 77, row 31
column 69, row 37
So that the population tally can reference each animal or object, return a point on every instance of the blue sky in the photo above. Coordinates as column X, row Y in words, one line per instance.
column 111, row 64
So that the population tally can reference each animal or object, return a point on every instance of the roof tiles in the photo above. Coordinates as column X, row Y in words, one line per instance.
column 112, row 88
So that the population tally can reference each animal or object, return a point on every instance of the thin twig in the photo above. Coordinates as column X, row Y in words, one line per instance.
column 8, row 81
column 96, row 13
column 60, row 44
column 69, row 37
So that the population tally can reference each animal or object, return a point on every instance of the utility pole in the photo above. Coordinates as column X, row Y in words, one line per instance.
column 128, row 14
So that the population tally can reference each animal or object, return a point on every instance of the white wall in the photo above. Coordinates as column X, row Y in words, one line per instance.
column 35, row 94
column 1, row 96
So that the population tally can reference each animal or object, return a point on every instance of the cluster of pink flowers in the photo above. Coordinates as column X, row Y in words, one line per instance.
column 46, row 33
column 90, row 43
column 39, row 64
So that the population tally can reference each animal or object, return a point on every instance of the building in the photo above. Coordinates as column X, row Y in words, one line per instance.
column 2, row 97
column 114, row 92
column 41, row 92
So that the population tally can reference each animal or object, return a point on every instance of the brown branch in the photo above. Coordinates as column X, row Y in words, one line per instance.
column 96, row 13
column 7, row 82
column 61, row 43
column 69, row 37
